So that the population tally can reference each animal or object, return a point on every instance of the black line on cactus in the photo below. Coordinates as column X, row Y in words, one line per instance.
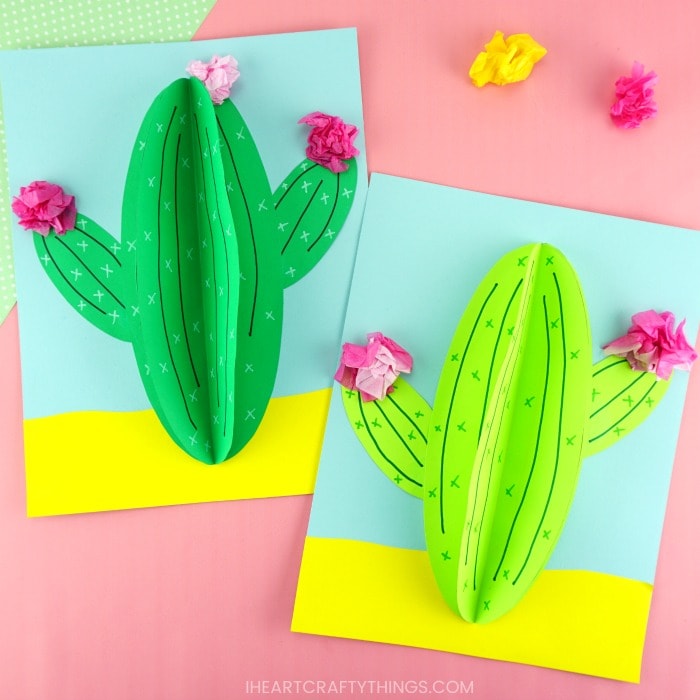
column 89, row 271
column 398, row 435
column 179, row 264
column 413, row 423
column 619, row 393
column 537, row 441
column 65, row 279
column 490, row 430
column 228, row 285
column 562, row 396
column 328, row 221
column 632, row 410
column 609, row 365
column 295, row 180
column 452, row 399
column 250, row 224
column 160, row 283
column 306, row 208
column 376, row 444
column 107, row 249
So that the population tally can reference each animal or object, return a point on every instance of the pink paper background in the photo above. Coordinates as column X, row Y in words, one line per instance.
column 193, row 601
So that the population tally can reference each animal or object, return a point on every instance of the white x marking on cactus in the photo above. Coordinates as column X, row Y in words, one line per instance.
column 81, row 304
column 304, row 166
column 330, row 234
column 325, row 198
column 169, row 264
column 304, row 236
column 269, row 316
column 142, row 145
column 282, row 225
column 228, row 230
column 152, row 299
column 216, row 418
column 167, row 205
column 221, row 360
column 204, row 243
column 115, row 247
column 152, row 181
column 76, row 273
column 346, row 193
column 240, row 134
column 193, row 440
column 230, row 397
column 98, row 295
column 189, row 253
column 248, row 368
column 305, row 186
column 261, row 206
column 82, row 223
column 148, row 370
column 232, row 334
column 215, row 215
column 242, row 276
column 147, row 235
column 163, row 367
column 107, row 270
column 131, row 246
column 211, row 337
column 82, row 244
column 205, row 153
column 251, row 414
column 199, row 102
column 195, row 327
column 284, row 186
column 211, row 373
column 193, row 396
column 215, row 147
column 207, row 445
column 207, row 282
column 229, row 187
column 183, row 118
column 186, row 163
column 201, row 196
column 114, row 316
column 46, row 259
column 176, row 338
column 291, row 271
column 135, row 310
column 221, row 291
column 160, row 128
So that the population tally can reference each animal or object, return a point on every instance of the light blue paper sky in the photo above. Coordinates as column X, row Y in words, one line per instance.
column 423, row 251
column 71, row 117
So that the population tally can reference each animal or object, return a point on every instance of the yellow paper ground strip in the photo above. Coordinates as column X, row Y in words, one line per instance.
column 577, row 621
column 94, row 461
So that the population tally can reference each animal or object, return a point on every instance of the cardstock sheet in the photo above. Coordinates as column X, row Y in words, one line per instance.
column 365, row 574
column 83, row 399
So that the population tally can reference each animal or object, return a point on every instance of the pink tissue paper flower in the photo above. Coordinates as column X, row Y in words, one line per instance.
column 372, row 369
column 330, row 141
column 651, row 344
column 42, row 206
column 218, row 76
column 635, row 98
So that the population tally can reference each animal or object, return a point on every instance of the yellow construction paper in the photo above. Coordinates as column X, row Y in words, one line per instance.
column 506, row 60
column 80, row 462
column 558, row 624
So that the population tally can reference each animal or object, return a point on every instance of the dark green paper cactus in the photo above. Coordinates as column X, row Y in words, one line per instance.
column 496, row 459
column 196, row 281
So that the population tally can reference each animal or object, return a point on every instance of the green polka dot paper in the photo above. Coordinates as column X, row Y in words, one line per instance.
column 34, row 24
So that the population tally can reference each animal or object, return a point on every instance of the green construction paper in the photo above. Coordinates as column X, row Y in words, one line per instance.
column 31, row 24
column 508, row 422
column 311, row 203
column 394, row 432
column 622, row 398
column 86, row 269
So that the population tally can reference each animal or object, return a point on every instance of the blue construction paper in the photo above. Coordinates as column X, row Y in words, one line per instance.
column 424, row 249
column 71, row 117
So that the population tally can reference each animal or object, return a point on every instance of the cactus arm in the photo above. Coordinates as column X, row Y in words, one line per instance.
column 259, row 321
column 311, row 204
column 85, row 267
column 622, row 399
column 508, row 429
column 394, row 432
column 185, row 271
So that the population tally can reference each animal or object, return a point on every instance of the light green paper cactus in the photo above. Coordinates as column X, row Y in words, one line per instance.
column 496, row 459
column 196, row 282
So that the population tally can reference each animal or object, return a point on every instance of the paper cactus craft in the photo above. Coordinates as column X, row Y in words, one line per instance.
column 196, row 280
column 519, row 404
